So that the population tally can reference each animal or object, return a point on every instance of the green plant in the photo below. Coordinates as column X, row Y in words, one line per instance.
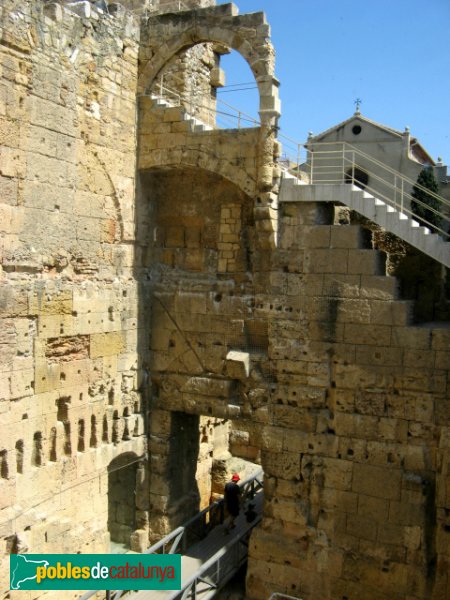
column 423, row 199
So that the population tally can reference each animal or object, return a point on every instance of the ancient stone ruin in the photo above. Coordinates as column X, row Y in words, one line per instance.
column 163, row 313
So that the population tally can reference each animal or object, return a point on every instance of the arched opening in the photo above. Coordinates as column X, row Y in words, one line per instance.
column 36, row 457
column 19, row 456
column 357, row 176
column 239, row 95
column 53, row 440
column 213, row 83
column 80, row 446
column 247, row 34
column 190, row 79
column 122, row 500
column 93, row 440
column 105, row 435
column 4, row 470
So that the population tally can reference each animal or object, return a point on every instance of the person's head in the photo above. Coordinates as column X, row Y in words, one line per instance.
column 235, row 477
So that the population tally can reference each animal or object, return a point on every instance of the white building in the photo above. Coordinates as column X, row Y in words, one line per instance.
column 372, row 153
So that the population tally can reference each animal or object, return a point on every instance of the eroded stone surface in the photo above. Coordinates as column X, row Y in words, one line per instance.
column 150, row 328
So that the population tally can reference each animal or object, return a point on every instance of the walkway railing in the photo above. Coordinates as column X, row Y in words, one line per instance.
column 201, row 524
column 217, row 569
column 326, row 162
column 340, row 162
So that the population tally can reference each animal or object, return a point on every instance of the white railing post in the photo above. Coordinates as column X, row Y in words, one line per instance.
column 401, row 197
column 395, row 191
column 353, row 167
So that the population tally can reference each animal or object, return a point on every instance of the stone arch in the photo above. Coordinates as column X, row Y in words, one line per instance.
column 201, row 221
column 169, row 34
column 99, row 176
column 197, row 158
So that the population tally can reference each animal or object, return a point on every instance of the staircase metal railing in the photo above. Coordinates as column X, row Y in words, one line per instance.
column 197, row 107
column 216, row 569
column 340, row 162
column 325, row 162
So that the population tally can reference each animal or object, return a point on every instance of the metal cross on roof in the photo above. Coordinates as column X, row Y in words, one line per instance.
column 358, row 102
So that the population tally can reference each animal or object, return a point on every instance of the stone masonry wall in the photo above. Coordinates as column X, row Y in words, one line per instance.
column 70, row 400
column 191, row 79
column 355, row 450
column 130, row 322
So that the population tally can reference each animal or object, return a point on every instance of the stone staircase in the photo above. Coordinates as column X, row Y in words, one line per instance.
column 386, row 216
column 196, row 124
column 382, row 213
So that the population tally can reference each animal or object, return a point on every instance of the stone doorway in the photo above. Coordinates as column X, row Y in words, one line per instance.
column 192, row 457
column 122, row 500
column 358, row 177
column 220, row 455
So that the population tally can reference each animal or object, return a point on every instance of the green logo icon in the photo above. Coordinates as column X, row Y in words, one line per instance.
column 95, row 571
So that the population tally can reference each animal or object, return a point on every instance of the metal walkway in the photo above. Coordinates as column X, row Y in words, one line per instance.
column 210, row 556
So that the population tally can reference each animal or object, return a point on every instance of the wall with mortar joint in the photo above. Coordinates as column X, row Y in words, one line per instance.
column 349, row 400
column 69, row 383
column 354, row 483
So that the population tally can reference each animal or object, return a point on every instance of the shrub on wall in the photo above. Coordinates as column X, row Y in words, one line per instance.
column 426, row 179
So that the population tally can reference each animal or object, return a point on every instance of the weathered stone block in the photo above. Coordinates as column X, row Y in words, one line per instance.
column 371, row 335
column 377, row 481
column 346, row 237
column 106, row 344
column 238, row 364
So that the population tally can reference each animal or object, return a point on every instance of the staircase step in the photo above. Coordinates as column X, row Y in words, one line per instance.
column 374, row 209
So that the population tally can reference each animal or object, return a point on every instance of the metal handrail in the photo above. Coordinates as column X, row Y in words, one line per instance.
column 249, row 487
column 190, row 586
column 196, row 101
column 337, row 171
column 405, row 178
column 338, row 162
column 179, row 536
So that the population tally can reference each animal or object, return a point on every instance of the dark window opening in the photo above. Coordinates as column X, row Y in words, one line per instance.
column 36, row 459
column 19, row 456
column 357, row 176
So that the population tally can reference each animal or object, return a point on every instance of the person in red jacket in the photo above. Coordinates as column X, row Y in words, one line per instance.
column 232, row 498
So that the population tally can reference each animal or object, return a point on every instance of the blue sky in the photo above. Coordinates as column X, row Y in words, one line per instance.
column 393, row 54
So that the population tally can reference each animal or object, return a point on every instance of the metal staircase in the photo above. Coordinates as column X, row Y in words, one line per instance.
column 333, row 173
